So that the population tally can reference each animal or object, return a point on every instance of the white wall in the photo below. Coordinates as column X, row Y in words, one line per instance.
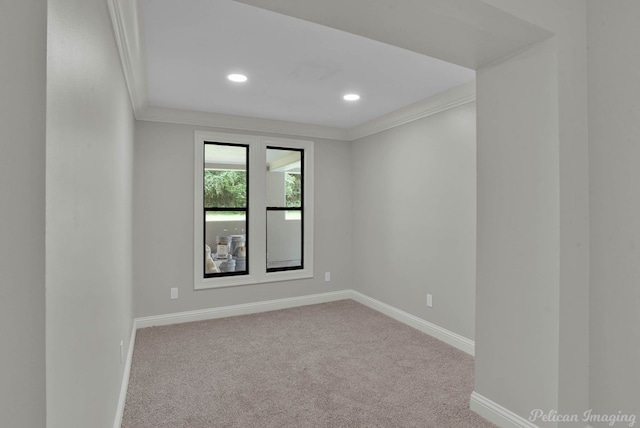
column 163, row 225
column 614, row 172
column 518, row 234
column 22, row 194
column 532, row 332
column 89, row 215
column 414, row 223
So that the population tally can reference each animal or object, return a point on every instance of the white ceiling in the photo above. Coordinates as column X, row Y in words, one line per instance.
column 298, row 70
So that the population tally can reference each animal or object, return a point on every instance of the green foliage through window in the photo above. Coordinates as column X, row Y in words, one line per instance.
column 293, row 189
column 225, row 189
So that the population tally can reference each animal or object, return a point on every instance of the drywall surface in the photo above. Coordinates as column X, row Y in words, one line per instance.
column 163, row 225
column 23, row 56
column 470, row 33
column 518, row 234
column 89, row 216
column 414, row 217
column 532, row 324
column 614, row 156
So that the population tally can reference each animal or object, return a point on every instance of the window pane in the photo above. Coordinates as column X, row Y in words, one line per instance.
column 284, row 241
column 226, row 243
column 284, row 178
column 225, row 176
column 285, row 188
column 225, row 197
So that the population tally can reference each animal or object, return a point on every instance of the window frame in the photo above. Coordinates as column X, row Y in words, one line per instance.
column 284, row 209
column 218, row 209
column 256, row 219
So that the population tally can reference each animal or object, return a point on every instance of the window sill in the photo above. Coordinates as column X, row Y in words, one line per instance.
column 235, row 281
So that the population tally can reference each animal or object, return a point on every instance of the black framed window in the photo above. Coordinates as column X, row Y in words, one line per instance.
column 254, row 209
column 285, row 184
column 226, row 209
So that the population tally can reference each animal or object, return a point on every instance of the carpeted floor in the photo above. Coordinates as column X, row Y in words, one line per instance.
column 336, row 364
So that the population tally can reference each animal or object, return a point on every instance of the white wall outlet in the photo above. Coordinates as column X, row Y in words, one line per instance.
column 327, row 276
column 121, row 352
column 429, row 301
column 174, row 293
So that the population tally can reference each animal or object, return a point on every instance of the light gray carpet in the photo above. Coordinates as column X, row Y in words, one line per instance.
column 336, row 364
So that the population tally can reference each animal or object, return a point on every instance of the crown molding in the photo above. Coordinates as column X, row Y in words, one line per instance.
column 452, row 98
column 189, row 117
column 128, row 34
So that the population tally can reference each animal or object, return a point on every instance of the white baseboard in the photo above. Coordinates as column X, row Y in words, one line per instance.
column 125, row 379
column 501, row 416
column 497, row 414
column 449, row 337
column 438, row 332
column 243, row 309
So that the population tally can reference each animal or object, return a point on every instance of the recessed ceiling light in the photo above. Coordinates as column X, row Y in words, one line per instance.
column 351, row 97
column 239, row 78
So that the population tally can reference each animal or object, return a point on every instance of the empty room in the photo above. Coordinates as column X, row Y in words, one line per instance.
column 298, row 213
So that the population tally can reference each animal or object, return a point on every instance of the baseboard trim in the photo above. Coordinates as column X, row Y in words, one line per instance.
column 125, row 379
column 431, row 329
column 449, row 337
column 497, row 414
column 242, row 309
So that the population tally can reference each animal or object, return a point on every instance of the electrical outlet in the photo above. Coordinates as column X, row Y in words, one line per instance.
column 327, row 276
column 121, row 352
column 429, row 301
column 174, row 293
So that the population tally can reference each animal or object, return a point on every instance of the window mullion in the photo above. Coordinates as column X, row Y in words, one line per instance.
column 257, row 200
